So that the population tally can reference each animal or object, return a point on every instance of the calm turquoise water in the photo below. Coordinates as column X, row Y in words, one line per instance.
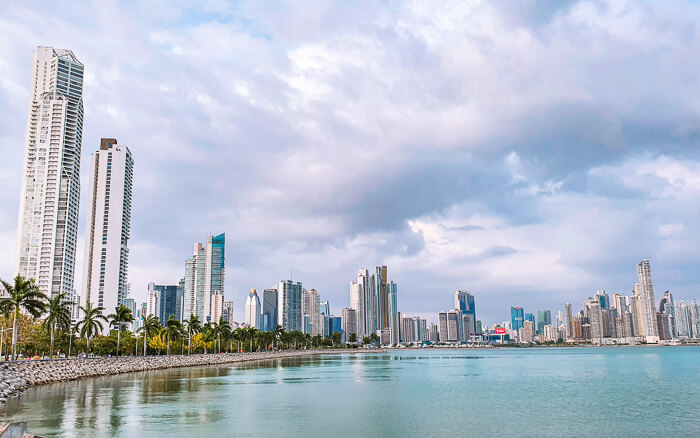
column 644, row 391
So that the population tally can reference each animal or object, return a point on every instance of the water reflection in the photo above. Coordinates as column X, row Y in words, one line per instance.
column 398, row 394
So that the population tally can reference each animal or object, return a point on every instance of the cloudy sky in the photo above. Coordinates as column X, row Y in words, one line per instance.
column 531, row 152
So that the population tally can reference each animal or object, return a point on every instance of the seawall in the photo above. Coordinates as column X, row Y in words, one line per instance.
column 16, row 377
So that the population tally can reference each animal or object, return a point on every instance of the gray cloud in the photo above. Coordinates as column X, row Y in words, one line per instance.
column 434, row 140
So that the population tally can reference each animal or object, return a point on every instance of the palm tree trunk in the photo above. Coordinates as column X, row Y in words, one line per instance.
column 167, row 353
column 145, row 342
column 15, row 327
column 53, row 328
column 119, row 337
column 189, row 342
column 88, row 345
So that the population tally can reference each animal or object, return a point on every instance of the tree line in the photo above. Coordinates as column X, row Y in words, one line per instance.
column 40, row 323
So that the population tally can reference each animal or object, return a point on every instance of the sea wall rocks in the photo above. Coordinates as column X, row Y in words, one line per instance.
column 15, row 377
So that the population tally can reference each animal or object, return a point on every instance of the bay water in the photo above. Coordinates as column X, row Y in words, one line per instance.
column 538, row 392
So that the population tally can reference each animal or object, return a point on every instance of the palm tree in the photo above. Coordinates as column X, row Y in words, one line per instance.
column 58, row 316
column 223, row 329
column 277, row 333
column 173, row 330
column 151, row 327
column 193, row 327
column 91, row 322
column 121, row 316
column 207, row 336
column 239, row 336
column 251, row 331
column 23, row 295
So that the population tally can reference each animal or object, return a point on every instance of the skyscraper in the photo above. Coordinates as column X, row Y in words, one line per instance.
column 517, row 317
column 394, row 327
column 49, row 201
column 227, row 313
column 442, row 321
column 152, row 301
column 167, row 299
column 106, row 261
column 464, row 301
column 289, row 305
column 349, row 324
column 269, row 310
column 369, row 297
column 650, row 330
column 595, row 316
column 544, row 317
column 569, row 321
column 357, row 302
column 204, row 275
column 380, row 281
column 311, row 307
column 252, row 309
column 604, row 299
column 454, row 323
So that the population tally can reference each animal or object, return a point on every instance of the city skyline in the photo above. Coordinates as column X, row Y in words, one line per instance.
column 536, row 217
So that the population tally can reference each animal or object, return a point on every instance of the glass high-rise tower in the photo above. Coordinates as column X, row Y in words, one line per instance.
column 204, row 276
column 50, row 195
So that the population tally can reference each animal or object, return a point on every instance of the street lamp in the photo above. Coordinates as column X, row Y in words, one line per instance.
column 70, row 341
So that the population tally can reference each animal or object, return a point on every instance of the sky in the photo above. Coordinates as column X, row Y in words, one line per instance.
column 530, row 152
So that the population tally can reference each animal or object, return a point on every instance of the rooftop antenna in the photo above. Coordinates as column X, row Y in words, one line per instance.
column 291, row 275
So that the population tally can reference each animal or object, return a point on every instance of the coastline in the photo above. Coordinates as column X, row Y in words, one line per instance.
column 18, row 376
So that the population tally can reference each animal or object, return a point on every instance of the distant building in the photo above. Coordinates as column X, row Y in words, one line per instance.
column 544, row 317
column 349, row 323
column 517, row 316
column 217, row 306
column 227, row 313
column 527, row 332
column 335, row 324
column 204, row 275
column 252, row 309
column 311, row 307
column 454, row 323
column 394, row 329
column 289, row 305
column 649, row 326
column 168, row 300
column 269, row 318
column 325, row 308
column 152, row 301
column 433, row 333
column 464, row 301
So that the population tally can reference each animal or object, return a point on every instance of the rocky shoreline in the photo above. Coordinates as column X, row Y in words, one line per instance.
column 17, row 377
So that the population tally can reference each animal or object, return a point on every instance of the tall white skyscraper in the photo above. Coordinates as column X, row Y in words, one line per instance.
column 152, row 301
column 649, row 329
column 357, row 302
column 50, row 195
column 311, row 307
column 204, row 276
column 253, row 309
column 106, row 261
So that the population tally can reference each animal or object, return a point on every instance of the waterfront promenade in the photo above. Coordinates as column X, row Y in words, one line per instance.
column 18, row 376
